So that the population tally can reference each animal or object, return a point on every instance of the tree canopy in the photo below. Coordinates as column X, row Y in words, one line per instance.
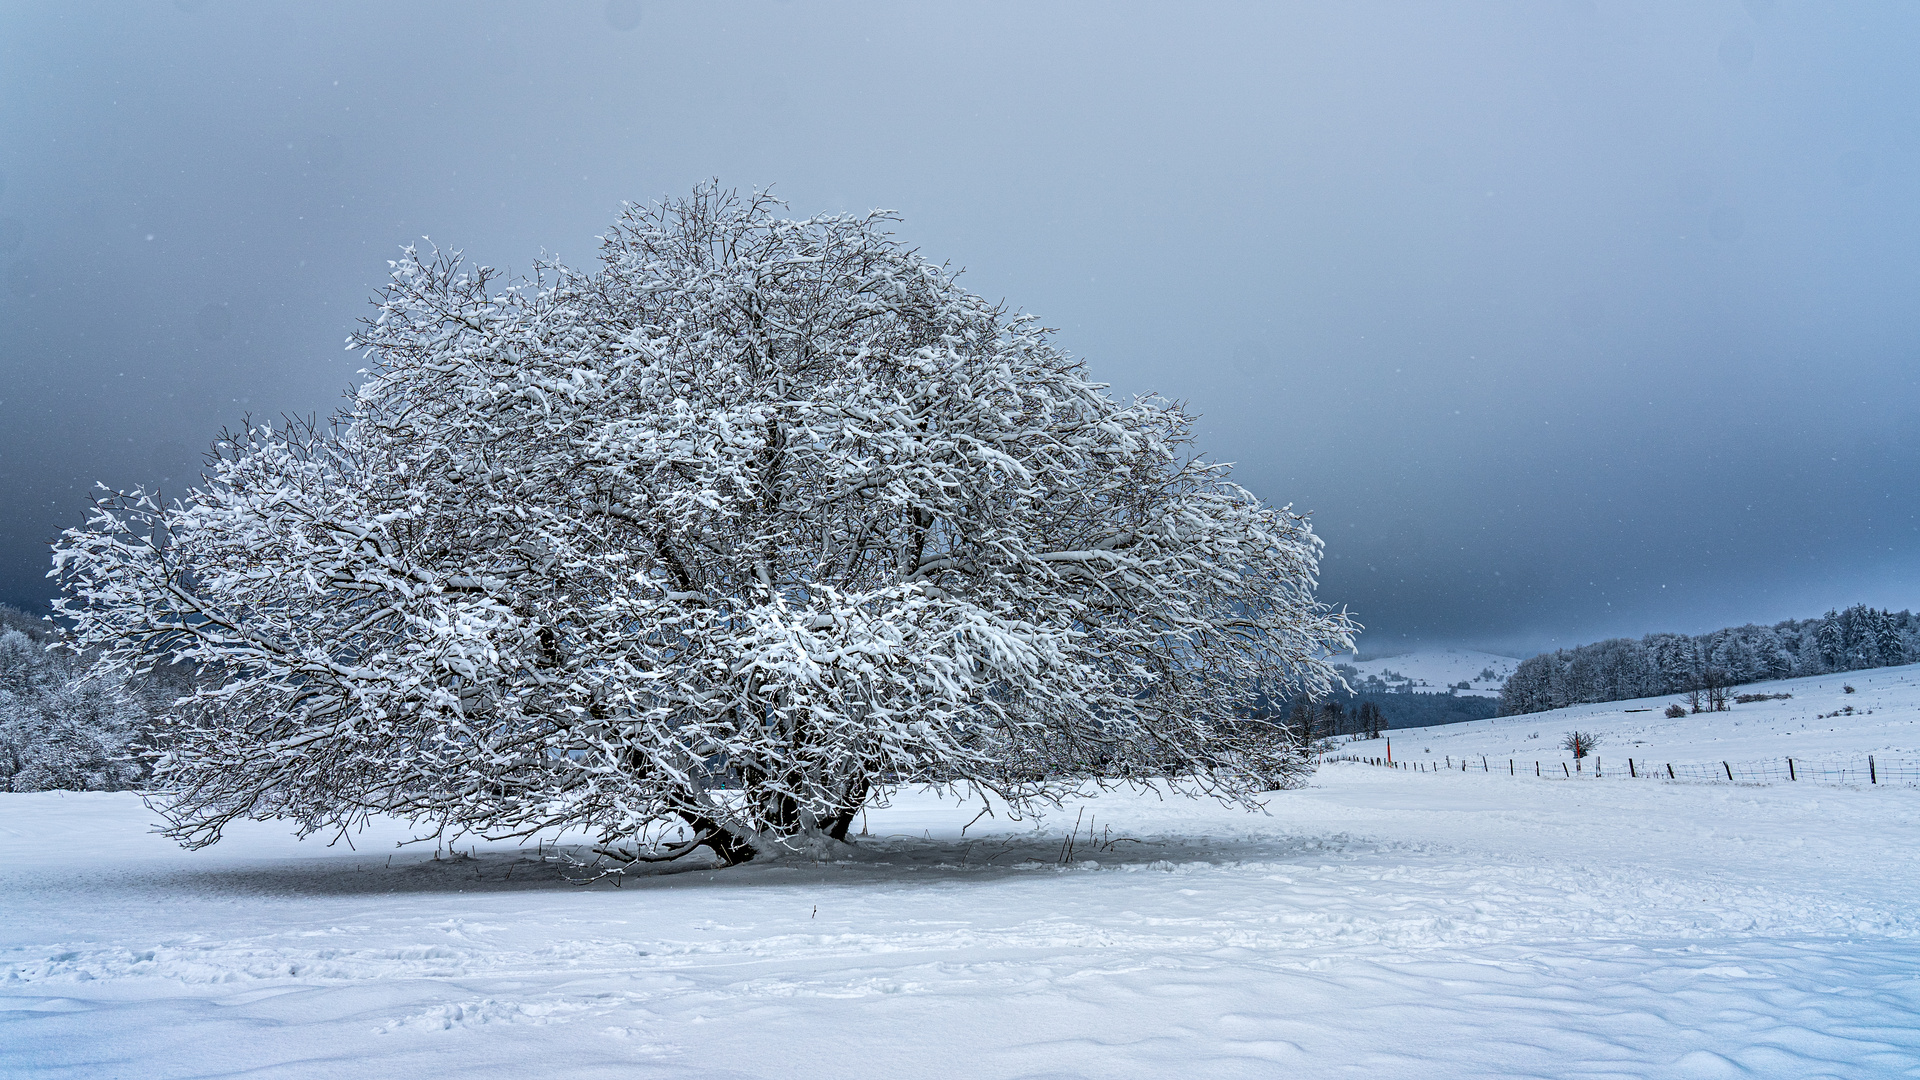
column 727, row 535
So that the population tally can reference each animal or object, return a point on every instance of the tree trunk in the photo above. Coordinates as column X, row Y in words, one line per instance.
column 857, row 797
column 727, row 846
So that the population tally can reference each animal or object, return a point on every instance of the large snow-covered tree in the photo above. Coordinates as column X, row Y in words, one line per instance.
column 715, row 542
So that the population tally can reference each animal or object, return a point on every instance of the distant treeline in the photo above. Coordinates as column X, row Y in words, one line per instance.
column 1620, row 669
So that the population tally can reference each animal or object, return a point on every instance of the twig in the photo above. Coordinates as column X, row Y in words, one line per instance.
column 984, row 811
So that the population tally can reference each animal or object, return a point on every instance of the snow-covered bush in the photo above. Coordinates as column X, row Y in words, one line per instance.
column 759, row 517
column 60, row 730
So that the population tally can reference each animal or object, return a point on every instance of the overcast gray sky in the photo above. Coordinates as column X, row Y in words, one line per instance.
column 1565, row 319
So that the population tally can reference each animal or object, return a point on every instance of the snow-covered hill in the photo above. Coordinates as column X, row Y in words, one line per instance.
column 1820, row 719
column 1432, row 671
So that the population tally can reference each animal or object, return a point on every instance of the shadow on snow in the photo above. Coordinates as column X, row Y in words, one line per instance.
column 900, row 859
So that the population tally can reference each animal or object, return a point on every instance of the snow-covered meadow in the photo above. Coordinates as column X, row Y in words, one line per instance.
column 1377, row 923
column 1821, row 720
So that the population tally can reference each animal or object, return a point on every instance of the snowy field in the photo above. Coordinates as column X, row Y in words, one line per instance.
column 1813, row 724
column 1376, row 924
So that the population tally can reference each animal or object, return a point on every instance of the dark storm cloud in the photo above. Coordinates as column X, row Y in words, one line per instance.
column 1565, row 319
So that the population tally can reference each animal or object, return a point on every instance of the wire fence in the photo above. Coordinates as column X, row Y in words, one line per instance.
column 1868, row 770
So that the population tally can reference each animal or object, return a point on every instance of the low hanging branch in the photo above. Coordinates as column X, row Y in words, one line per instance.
column 758, row 519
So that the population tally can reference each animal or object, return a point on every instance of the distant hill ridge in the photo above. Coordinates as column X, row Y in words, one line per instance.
column 1430, row 671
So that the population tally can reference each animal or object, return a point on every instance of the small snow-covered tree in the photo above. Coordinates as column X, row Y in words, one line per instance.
column 761, row 516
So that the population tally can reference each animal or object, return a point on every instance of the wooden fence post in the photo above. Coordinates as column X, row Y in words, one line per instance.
column 1669, row 771
column 1729, row 769
column 1510, row 771
column 1790, row 774
column 1873, row 775
column 1564, row 769
column 1630, row 770
column 1536, row 768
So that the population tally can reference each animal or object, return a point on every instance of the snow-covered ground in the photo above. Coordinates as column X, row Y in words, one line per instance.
column 1434, row 671
column 1813, row 724
column 1378, row 923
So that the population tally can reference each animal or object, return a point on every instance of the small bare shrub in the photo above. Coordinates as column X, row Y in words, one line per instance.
column 1581, row 743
